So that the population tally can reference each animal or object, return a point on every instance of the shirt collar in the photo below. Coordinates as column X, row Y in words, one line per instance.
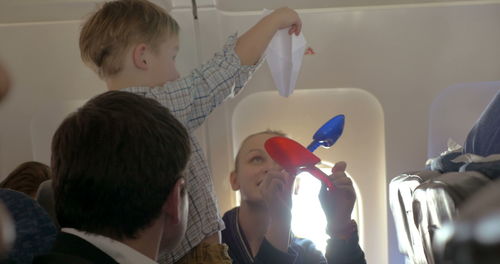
column 120, row 252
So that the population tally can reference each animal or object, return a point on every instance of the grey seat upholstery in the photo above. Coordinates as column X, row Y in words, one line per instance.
column 35, row 231
column 401, row 190
column 45, row 197
column 474, row 236
column 437, row 201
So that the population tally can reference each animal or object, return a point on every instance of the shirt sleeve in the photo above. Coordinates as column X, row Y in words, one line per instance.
column 192, row 98
column 339, row 251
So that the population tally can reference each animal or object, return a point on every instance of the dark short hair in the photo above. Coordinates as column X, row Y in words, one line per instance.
column 27, row 177
column 114, row 162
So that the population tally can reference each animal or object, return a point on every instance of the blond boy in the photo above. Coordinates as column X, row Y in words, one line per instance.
column 132, row 45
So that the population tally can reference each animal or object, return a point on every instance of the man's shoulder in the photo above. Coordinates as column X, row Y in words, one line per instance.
column 69, row 248
column 56, row 258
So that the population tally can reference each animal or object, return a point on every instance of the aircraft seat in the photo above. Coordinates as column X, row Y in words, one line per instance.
column 35, row 232
column 401, row 190
column 474, row 236
column 438, row 200
column 45, row 197
column 421, row 202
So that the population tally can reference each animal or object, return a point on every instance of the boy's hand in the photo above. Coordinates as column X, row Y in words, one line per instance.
column 339, row 202
column 286, row 17
column 251, row 45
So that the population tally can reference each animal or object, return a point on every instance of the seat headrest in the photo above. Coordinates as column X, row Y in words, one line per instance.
column 35, row 231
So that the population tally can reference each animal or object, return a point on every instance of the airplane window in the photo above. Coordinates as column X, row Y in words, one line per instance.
column 364, row 130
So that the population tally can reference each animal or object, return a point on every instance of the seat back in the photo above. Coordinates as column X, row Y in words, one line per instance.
column 7, row 232
column 35, row 231
column 45, row 197
column 401, row 190
column 473, row 237
column 436, row 202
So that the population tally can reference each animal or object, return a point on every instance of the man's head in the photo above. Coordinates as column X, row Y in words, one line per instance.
column 27, row 177
column 118, row 165
column 131, row 33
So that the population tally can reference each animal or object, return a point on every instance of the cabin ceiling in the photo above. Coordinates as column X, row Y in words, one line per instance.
column 256, row 5
column 19, row 11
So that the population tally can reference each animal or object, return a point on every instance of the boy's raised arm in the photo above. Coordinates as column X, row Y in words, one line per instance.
column 251, row 45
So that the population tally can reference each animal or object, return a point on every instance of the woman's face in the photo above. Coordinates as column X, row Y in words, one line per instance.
column 252, row 166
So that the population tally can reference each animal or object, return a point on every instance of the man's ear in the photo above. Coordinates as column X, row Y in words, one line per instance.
column 233, row 179
column 173, row 206
column 139, row 56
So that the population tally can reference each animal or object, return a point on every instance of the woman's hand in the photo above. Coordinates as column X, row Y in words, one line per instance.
column 276, row 190
column 339, row 202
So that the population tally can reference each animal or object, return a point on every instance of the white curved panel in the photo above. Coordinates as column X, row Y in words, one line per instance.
column 362, row 144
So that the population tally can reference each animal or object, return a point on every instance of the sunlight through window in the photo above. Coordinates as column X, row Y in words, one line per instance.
column 308, row 219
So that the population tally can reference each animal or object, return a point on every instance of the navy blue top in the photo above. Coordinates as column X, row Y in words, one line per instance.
column 35, row 231
column 484, row 137
column 300, row 250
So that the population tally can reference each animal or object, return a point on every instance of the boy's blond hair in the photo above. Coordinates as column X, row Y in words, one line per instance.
column 117, row 26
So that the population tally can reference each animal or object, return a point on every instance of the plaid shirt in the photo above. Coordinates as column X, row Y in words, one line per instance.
column 191, row 100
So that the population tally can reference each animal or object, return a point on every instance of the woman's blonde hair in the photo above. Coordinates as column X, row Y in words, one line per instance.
column 267, row 131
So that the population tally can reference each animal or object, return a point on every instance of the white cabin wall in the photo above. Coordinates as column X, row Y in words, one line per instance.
column 45, row 66
column 41, row 52
column 404, row 55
